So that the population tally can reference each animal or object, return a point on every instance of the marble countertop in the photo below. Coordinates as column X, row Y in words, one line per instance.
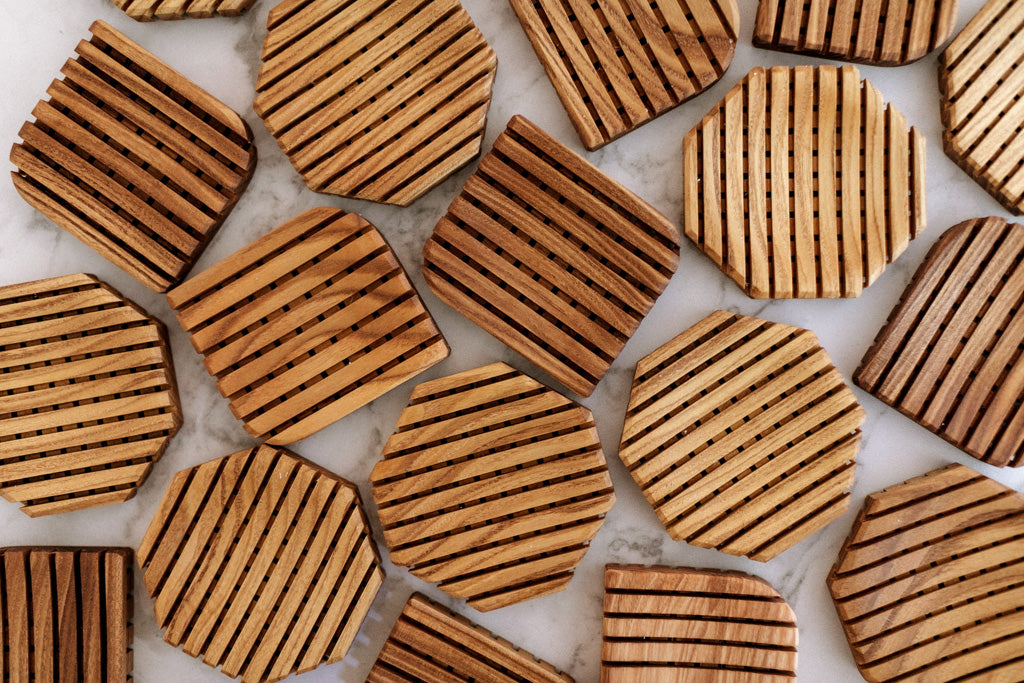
column 222, row 55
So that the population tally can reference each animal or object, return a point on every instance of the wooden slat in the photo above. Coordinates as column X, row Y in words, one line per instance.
column 428, row 643
column 484, row 466
column 78, row 602
column 804, row 187
column 866, row 31
column 741, row 434
column 949, row 355
column 402, row 87
column 927, row 585
column 308, row 323
column 698, row 624
column 108, row 127
column 87, row 387
column 231, row 557
column 981, row 81
column 617, row 65
column 509, row 256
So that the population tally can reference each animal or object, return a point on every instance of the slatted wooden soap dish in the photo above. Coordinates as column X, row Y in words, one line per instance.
column 430, row 644
column 616, row 66
column 375, row 100
column 88, row 401
column 742, row 435
column 148, row 10
column 803, row 183
column 66, row 614
column 694, row 625
column 492, row 486
column 928, row 583
column 308, row 323
column 133, row 159
column 551, row 256
column 261, row 563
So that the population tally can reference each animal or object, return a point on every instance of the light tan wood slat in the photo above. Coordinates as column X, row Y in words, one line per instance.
column 66, row 611
column 942, row 563
column 740, row 625
column 366, row 280
column 85, row 390
column 62, row 373
column 867, row 31
column 42, row 611
column 430, row 644
column 689, row 447
column 391, row 109
column 809, row 216
column 931, row 350
column 245, row 572
column 438, row 508
column 102, row 411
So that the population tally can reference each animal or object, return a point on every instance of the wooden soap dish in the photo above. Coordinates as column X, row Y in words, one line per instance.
column 308, row 323
column 375, row 100
column 551, row 256
column 87, row 395
column 492, row 486
column 882, row 34
column 261, row 563
column 810, row 200
column 616, row 68
column 928, row 584
column 430, row 644
column 949, row 356
column 981, row 81
column 148, row 10
column 693, row 626
column 742, row 435
column 67, row 614
column 133, row 159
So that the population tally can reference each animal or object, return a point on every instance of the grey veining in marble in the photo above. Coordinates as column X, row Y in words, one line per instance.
column 36, row 36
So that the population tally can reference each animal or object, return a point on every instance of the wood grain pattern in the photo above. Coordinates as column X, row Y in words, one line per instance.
column 492, row 486
column 133, row 159
column 928, row 584
column 377, row 99
column 148, row 10
column 430, row 644
column 261, row 563
column 694, row 626
column 308, row 323
column 616, row 66
column 882, row 34
column 803, row 183
column 88, row 400
column 551, row 256
column 949, row 357
column 981, row 81
column 66, row 614
column 742, row 435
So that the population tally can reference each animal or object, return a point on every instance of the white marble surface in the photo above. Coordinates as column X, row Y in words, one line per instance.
column 222, row 55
